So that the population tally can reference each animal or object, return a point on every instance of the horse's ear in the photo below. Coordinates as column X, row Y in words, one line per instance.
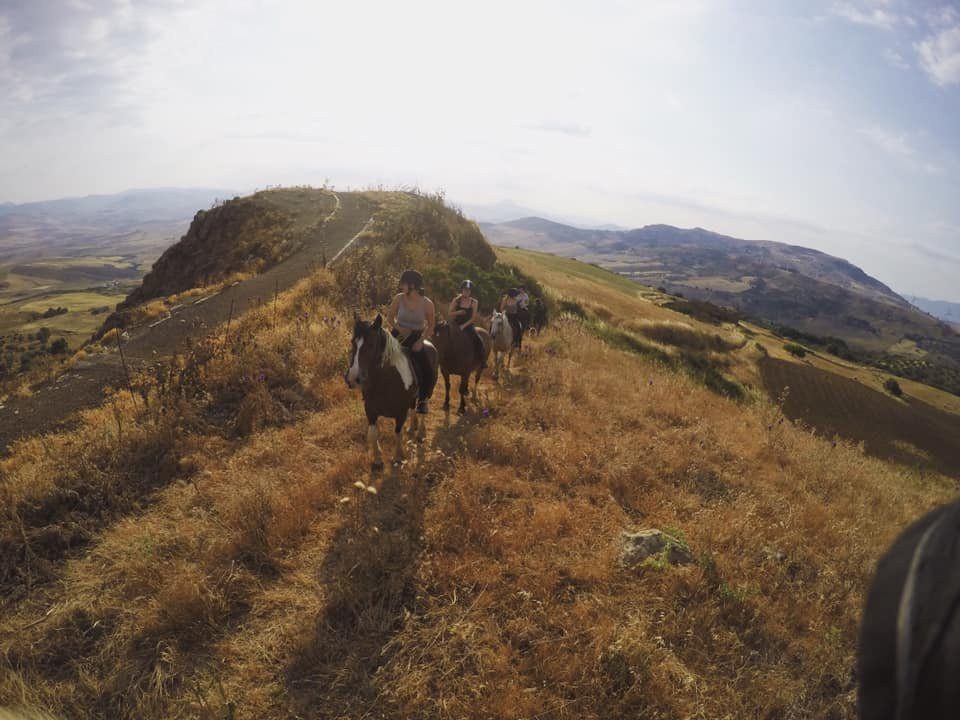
column 378, row 323
column 356, row 317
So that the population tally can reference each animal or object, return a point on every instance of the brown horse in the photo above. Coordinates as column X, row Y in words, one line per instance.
column 458, row 357
column 385, row 371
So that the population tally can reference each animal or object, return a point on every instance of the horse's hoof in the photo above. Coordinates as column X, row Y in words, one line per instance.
column 462, row 410
column 376, row 467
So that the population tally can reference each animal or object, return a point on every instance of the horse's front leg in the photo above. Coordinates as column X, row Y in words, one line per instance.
column 373, row 441
column 398, row 433
column 421, row 423
column 476, row 382
column 464, row 389
column 446, row 390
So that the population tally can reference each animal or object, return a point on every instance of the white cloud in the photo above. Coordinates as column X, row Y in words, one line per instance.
column 894, row 143
column 943, row 16
column 899, row 145
column 940, row 56
column 865, row 15
column 572, row 129
column 895, row 59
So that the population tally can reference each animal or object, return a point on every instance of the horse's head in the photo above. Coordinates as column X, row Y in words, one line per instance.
column 366, row 349
column 496, row 323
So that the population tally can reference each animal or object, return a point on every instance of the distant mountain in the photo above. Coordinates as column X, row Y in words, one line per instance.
column 506, row 211
column 99, row 223
column 788, row 285
column 946, row 311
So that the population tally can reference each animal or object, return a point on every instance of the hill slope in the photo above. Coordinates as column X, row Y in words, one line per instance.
column 832, row 396
column 787, row 285
column 210, row 548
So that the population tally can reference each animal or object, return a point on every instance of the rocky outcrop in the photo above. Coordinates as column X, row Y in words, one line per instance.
column 656, row 545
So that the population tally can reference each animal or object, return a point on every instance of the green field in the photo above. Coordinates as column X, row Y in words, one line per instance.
column 28, row 289
column 73, row 301
column 573, row 268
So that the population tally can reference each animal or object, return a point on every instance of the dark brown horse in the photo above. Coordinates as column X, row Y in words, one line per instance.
column 385, row 371
column 909, row 654
column 458, row 356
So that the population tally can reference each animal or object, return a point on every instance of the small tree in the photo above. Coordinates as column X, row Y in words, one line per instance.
column 795, row 350
column 893, row 387
column 59, row 347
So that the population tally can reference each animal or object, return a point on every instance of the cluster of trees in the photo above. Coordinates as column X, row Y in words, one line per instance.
column 927, row 371
column 833, row 345
column 19, row 353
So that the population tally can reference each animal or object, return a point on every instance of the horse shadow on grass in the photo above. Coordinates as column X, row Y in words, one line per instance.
column 369, row 576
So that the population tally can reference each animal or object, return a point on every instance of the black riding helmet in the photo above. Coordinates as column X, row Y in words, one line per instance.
column 466, row 285
column 412, row 278
column 513, row 292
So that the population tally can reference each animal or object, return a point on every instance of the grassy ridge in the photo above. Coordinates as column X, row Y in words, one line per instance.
column 252, row 577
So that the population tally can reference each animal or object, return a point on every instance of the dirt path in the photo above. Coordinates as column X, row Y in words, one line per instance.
column 52, row 404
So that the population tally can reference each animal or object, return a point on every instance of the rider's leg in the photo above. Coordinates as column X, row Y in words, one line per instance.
column 478, row 345
column 515, row 325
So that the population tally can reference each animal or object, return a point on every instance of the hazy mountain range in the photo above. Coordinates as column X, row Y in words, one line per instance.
column 946, row 311
column 804, row 289
column 131, row 222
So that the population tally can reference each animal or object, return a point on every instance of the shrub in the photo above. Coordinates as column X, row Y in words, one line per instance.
column 59, row 347
column 795, row 350
column 893, row 387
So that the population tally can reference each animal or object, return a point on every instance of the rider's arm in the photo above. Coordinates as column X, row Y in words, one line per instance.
column 473, row 315
column 453, row 311
column 392, row 312
column 431, row 321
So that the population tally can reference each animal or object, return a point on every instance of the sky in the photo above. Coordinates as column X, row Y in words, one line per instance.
column 833, row 124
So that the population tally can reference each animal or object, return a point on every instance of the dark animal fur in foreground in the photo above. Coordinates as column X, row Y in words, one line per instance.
column 909, row 653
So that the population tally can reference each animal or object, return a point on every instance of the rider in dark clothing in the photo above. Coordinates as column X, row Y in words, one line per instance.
column 463, row 310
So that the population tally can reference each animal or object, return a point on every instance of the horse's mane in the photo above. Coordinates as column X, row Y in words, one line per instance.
column 392, row 350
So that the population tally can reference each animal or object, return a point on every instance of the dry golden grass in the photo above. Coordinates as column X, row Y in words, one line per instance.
column 685, row 335
column 249, row 577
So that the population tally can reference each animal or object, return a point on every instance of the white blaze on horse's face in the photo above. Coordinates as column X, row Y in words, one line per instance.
column 353, row 374
column 495, row 324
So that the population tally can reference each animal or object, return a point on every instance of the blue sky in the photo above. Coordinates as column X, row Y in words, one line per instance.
column 831, row 124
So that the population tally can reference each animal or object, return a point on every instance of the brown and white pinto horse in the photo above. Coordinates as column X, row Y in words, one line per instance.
column 459, row 357
column 384, row 370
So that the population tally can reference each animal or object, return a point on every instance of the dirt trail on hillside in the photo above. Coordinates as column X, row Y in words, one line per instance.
column 53, row 404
